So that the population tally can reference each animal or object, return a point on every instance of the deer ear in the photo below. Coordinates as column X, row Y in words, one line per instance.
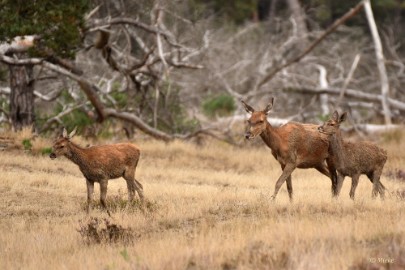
column 72, row 133
column 269, row 106
column 335, row 116
column 64, row 133
column 248, row 108
column 343, row 117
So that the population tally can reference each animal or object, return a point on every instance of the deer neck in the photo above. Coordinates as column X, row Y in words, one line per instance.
column 337, row 149
column 76, row 154
column 270, row 136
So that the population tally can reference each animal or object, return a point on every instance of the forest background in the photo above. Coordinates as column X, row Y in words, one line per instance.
column 178, row 69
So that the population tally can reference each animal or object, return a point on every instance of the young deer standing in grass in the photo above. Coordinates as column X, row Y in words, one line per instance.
column 353, row 159
column 100, row 164
column 294, row 145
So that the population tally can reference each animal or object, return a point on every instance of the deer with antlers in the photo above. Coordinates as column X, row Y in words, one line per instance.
column 293, row 145
column 100, row 164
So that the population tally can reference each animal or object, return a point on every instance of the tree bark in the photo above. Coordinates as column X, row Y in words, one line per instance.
column 21, row 96
column 323, row 84
column 380, row 61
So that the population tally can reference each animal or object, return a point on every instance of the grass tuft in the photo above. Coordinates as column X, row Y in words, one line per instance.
column 104, row 231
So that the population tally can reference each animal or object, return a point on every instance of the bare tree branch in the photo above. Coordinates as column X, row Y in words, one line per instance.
column 50, row 97
column 348, row 79
column 139, row 124
column 57, row 118
column 328, row 31
column 91, row 90
column 120, row 20
column 5, row 90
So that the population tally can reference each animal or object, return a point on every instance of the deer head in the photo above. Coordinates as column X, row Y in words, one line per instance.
column 257, row 121
column 59, row 147
column 331, row 126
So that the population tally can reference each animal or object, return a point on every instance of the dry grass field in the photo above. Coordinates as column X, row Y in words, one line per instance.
column 207, row 207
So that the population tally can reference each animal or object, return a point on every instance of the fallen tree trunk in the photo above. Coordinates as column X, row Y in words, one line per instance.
column 276, row 122
column 399, row 105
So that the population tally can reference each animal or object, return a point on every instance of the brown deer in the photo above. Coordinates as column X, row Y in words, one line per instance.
column 100, row 164
column 354, row 158
column 293, row 145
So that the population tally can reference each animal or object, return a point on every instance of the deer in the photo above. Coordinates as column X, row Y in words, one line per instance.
column 354, row 158
column 293, row 145
column 100, row 164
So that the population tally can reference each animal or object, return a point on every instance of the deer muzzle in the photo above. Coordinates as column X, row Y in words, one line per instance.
column 52, row 155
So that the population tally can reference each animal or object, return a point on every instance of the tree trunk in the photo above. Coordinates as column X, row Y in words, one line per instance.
column 385, row 87
column 323, row 84
column 299, row 18
column 22, row 96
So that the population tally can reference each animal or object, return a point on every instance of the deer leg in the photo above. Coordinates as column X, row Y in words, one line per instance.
column 323, row 169
column 90, row 192
column 139, row 189
column 378, row 187
column 355, row 182
column 339, row 183
column 375, row 176
column 289, row 188
column 133, row 185
column 131, row 190
column 103, row 194
column 288, row 169
column 330, row 172
column 381, row 189
column 289, row 185
column 334, row 178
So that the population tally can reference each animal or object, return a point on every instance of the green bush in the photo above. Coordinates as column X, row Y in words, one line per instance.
column 58, row 22
column 221, row 105
column 76, row 118
column 27, row 144
column 46, row 150
column 120, row 98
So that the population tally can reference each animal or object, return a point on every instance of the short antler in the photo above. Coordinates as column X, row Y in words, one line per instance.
column 64, row 133
column 72, row 133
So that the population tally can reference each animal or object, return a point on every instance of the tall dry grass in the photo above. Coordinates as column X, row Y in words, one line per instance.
column 208, row 208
